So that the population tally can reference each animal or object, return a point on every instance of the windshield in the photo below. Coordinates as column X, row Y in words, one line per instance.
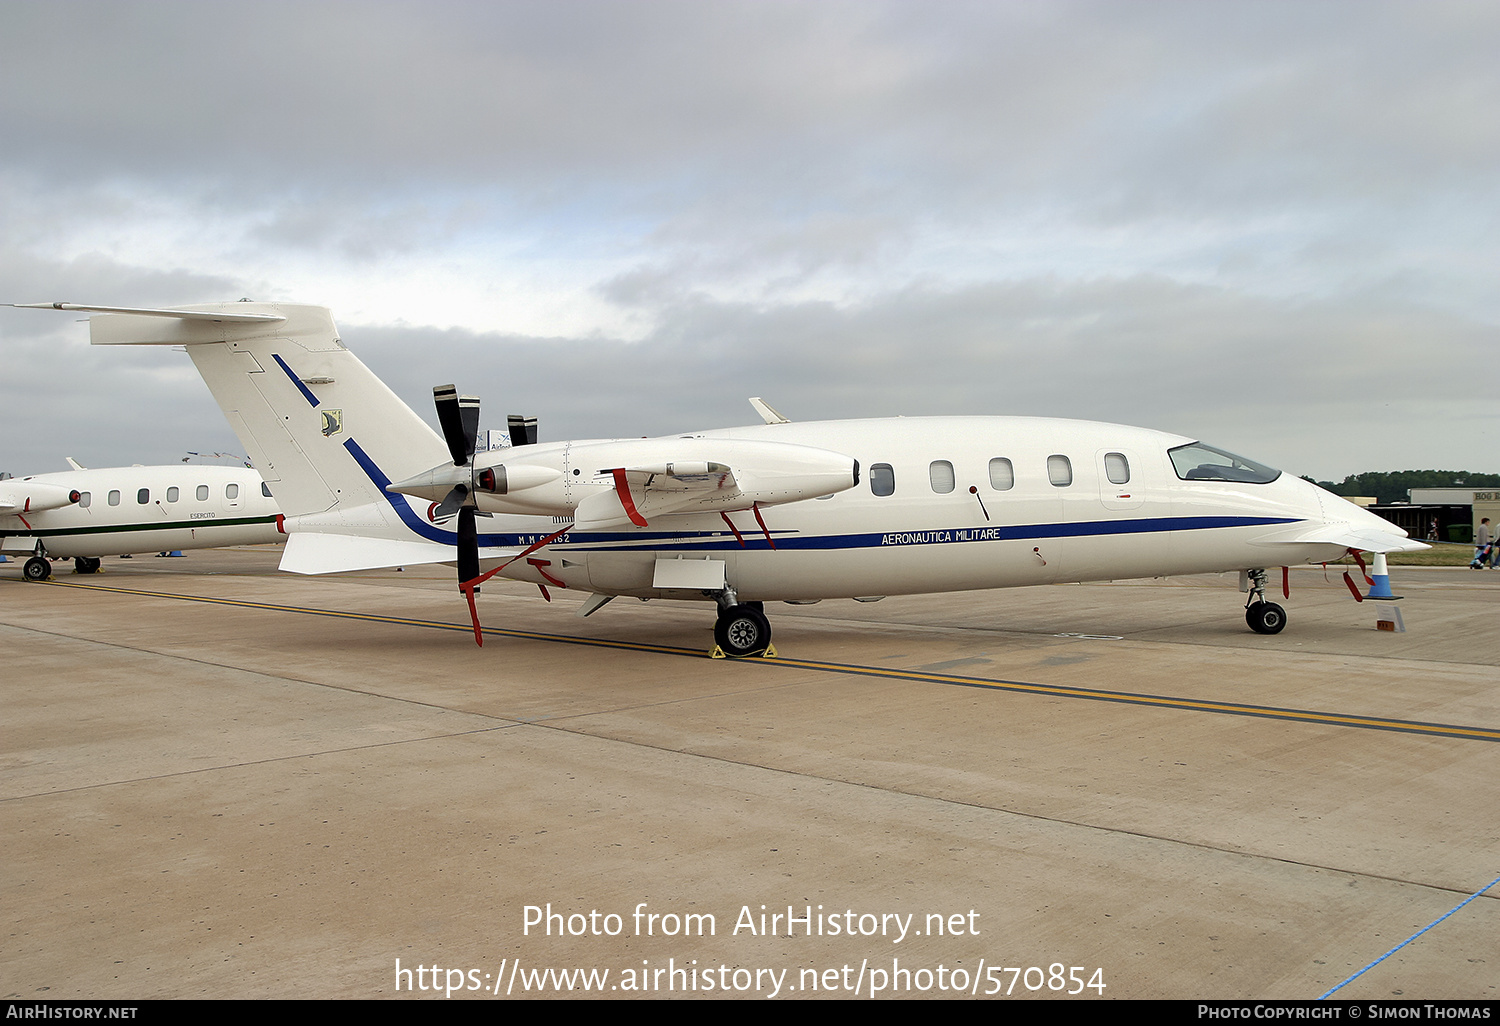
column 1199, row 462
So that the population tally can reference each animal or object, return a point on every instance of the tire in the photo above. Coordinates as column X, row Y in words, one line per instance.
column 742, row 630
column 37, row 569
column 85, row 565
column 1265, row 617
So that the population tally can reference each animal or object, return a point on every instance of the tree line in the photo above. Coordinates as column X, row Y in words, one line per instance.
column 1393, row 486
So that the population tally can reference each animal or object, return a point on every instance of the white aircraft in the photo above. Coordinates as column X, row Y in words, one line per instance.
column 85, row 514
column 796, row 512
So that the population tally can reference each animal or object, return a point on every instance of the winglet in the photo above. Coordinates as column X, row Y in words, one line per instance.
column 767, row 412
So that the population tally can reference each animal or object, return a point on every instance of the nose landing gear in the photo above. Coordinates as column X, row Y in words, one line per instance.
column 1262, row 616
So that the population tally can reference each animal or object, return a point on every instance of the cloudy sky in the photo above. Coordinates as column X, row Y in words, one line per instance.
column 1271, row 226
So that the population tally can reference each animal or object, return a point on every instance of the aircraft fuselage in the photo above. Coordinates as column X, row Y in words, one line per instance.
column 143, row 509
column 967, row 503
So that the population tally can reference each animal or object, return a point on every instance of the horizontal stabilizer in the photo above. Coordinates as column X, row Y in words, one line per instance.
column 220, row 316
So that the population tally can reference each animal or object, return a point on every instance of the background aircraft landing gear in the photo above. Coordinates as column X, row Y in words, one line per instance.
column 37, row 569
column 85, row 565
column 1262, row 616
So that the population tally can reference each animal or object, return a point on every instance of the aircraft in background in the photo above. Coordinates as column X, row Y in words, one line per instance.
column 84, row 514
column 796, row 512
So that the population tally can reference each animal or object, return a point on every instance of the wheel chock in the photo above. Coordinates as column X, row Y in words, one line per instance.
column 769, row 652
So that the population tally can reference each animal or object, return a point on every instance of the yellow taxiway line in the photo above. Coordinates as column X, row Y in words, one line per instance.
column 890, row 673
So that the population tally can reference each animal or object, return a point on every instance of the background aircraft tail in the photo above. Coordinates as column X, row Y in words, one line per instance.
column 325, row 433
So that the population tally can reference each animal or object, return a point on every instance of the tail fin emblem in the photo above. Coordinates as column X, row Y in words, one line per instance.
column 333, row 422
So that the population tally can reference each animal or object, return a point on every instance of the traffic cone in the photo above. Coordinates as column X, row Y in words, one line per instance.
column 1381, row 589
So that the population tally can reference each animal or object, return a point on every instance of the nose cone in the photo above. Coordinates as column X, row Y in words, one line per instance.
column 1358, row 528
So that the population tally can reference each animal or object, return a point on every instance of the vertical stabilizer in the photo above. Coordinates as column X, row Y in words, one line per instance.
column 325, row 433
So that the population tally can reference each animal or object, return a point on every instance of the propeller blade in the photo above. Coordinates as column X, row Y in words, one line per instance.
column 468, row 545
column 468, row 564
column 452, row 502
column 468, row 411
column 458, row 416
column 522, row 429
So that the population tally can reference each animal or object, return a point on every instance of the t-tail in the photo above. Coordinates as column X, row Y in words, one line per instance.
column 327, row 435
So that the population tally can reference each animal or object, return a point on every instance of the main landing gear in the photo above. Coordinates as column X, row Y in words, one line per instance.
column 85, row 565
column 742, row 628
column 1262, row 616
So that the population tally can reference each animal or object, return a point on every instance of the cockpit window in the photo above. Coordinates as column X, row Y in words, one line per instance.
column 1199, row 462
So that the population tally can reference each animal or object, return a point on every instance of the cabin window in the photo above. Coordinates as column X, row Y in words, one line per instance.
column 203, row 493
column 114, row 496
column 143, row 496
column 882, row 479
column 1002, row 474
column 1060, row 471
column 84, row 499
column 172, row 494
column 231, row 491
column 1199, row 462
column 1117, row 468
column 940, row 473
column 265, row 490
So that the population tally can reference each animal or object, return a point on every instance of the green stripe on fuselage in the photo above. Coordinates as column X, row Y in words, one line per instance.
column 166, row 525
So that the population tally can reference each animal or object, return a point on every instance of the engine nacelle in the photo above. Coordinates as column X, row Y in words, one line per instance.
column 24, row 496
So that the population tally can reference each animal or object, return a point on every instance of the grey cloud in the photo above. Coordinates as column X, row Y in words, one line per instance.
column 1192, row 359
column 1258, row 217
column 1266, row 378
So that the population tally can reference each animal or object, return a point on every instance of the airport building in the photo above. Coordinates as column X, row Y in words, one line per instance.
column 1443, row 514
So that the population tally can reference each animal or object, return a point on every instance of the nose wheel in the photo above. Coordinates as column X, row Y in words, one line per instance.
column 1265, row 617
column 1262, row 616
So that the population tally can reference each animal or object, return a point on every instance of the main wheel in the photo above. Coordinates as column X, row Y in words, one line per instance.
column 37, row 569
column 1265, row 617
column 85, row 565
column 742, row 630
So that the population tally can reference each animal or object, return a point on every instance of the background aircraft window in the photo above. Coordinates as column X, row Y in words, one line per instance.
column 1002, row 474
column 882, row 479
column 114, row 496
column 143, row 496
column 1060, row 471
column 1199, row 462
column 265, row 490
column 84, row 499
column 231, row 491
column 172, row 494
column 1117, row 468
column 941, row 475
column 202, row 493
